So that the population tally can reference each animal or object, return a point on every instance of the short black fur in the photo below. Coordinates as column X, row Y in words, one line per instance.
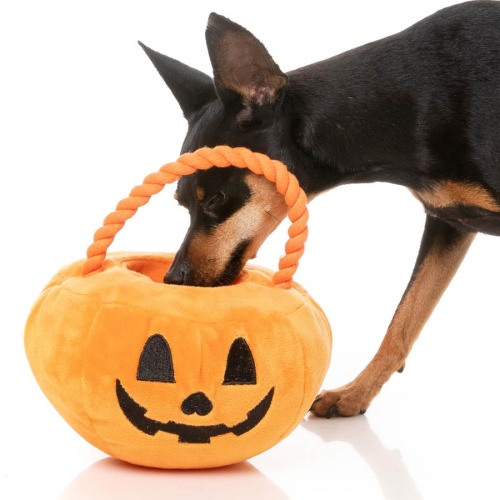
column 412, row 108
column 420, row 108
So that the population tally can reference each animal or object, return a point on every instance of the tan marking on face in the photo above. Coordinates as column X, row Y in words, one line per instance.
column 200, row 193
column 448, row 193
column 209, row 254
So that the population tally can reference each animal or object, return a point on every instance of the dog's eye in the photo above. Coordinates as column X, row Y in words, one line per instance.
column 215, row 201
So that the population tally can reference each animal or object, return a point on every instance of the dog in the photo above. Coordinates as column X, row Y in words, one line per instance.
column 420, row 109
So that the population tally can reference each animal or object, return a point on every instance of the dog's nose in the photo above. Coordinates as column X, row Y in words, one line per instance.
column 197, row 403
column 177, row 274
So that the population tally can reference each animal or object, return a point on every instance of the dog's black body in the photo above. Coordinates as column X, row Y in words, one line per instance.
column 420, row 108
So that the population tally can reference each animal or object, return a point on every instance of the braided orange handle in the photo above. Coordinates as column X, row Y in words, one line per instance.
column 202, row 159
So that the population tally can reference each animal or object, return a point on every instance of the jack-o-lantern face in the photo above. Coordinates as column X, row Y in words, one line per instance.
column 189, row 390
column 156, row 365
column 176, row 376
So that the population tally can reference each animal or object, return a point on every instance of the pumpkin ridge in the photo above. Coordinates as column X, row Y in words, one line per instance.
column 103, row 445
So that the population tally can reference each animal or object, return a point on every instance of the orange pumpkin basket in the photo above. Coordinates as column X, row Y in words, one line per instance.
column 177, row 376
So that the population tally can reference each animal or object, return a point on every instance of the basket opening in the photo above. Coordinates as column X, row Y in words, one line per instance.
column 155, row 270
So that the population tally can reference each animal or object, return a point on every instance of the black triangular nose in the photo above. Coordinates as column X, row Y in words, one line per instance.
column 179, row 271
column 197, row 403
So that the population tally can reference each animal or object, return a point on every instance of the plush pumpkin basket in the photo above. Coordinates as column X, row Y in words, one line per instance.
column 176, row 376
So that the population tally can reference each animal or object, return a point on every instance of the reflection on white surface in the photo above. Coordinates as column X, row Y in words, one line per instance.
column 388, row 465
column 114, row 479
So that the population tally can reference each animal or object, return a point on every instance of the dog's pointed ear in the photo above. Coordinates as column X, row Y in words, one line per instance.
column 242, row 65
column 192, row 88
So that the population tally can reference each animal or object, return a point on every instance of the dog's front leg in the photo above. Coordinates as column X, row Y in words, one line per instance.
column 441, row 251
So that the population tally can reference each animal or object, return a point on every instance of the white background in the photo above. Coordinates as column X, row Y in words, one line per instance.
column 84, row 117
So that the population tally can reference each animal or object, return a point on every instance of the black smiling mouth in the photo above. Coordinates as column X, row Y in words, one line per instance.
column 198, row 434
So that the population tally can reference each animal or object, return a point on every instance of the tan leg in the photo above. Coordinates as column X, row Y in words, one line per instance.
column 441, row 253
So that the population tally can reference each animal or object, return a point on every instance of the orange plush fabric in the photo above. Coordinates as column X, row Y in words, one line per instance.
column 175, row 376
column 85, row 334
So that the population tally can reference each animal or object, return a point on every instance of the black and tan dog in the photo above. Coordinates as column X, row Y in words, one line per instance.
column 420, row 109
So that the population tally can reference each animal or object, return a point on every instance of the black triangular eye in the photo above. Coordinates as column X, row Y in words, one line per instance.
column 240, row 367
column 155, row 363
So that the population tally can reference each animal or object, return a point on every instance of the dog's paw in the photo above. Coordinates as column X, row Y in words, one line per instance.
column 346, row 401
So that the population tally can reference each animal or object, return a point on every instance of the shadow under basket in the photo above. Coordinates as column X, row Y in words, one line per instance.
column 176, row 376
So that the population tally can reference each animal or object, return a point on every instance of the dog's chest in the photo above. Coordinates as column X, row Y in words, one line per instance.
column 466, row 206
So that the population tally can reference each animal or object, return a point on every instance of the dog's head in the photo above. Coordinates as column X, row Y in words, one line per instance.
column 232, row 210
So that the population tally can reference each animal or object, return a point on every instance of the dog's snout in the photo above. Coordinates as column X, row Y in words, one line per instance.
column 177, row 274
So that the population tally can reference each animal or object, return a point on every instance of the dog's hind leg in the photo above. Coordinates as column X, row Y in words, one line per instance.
column 442, row 250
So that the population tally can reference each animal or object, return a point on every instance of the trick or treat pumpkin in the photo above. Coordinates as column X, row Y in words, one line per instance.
column 178, row 376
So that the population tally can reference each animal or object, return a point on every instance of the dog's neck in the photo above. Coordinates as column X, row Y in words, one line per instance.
column 354, row 119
